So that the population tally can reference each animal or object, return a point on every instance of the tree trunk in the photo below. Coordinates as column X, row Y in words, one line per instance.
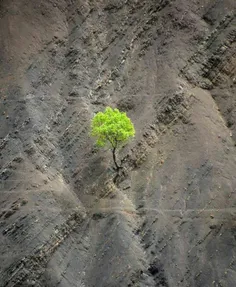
column 114, row 158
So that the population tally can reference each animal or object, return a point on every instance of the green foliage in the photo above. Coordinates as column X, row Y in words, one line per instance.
column 112, row 128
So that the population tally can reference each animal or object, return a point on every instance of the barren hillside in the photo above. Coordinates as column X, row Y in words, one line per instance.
column 66, row 218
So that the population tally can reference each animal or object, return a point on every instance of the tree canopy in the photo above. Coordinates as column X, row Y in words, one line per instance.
column 112, row 128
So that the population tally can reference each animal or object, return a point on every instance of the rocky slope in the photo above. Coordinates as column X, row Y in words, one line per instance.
column 169, row 219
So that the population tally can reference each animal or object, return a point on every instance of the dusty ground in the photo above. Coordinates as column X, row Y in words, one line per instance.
column 170, row 218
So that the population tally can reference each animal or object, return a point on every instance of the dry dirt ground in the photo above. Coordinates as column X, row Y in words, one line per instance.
column 169, row 218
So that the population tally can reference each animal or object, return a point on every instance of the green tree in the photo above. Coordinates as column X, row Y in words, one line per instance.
column 112, row 128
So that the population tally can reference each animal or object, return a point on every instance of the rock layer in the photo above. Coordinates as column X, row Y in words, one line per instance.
column 168, row 219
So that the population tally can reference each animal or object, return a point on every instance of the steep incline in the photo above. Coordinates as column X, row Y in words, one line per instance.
column 169, row 219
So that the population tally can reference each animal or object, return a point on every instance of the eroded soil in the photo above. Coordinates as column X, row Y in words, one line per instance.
column 169, row 218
